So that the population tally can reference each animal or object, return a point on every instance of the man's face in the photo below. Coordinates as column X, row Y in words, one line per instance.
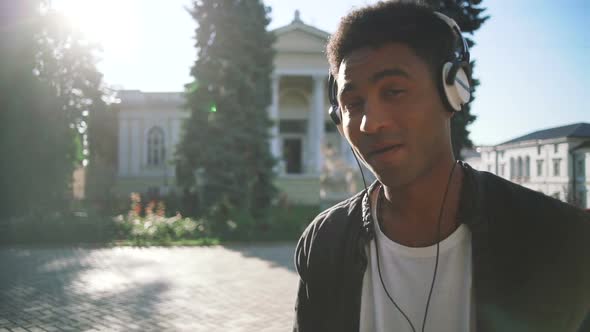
column 392, row 114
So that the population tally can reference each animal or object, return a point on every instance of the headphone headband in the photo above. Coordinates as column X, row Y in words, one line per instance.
column 464, row 55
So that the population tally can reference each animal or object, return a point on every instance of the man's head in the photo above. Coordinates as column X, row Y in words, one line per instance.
column 387, row 60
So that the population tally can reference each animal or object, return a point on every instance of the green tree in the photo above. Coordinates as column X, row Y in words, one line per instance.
column 48, row 84
column 469, row 16
column 227, row 135
column 102, row 167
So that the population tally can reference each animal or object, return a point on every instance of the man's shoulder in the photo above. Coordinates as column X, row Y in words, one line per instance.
column 337, row 217
column 501, row 195
column 326, row 234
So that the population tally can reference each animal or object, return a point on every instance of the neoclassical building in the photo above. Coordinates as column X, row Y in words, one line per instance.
column 554, row 161
column 315, row 162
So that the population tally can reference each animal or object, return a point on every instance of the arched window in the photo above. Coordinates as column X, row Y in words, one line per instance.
column 519, row 168
column 155, row 146
column 512, row 169
column 527, row 167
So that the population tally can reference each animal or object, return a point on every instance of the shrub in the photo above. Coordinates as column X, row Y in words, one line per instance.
column 153, row 227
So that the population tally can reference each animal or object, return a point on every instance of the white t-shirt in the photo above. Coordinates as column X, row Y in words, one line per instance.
column 407, row 274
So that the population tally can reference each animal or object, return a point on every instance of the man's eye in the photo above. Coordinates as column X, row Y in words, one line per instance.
column 393, row 92
column 353, row 106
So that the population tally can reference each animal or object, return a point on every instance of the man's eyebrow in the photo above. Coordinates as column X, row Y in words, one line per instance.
column 388, row 72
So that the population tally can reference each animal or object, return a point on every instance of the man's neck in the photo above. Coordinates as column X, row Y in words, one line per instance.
column 410, row 214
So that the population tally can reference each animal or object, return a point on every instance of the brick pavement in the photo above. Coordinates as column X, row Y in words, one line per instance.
column 223, row 288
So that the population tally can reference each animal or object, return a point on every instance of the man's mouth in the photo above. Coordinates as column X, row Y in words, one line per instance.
column 382, row 150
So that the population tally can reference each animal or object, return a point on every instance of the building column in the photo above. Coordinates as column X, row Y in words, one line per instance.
column 273, row 113
column 135, row 144
column 123, row 147
column 318, row 125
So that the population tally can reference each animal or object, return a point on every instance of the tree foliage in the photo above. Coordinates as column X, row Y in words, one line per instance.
column 469, row 16
column 227, row 136
column 48, row 84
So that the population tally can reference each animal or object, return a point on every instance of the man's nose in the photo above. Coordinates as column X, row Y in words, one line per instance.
column 375, row 117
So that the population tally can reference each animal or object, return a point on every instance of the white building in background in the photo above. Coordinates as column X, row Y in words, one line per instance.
column 149, row 129
column 472, row 157
column 554, row 161
column 150, row 126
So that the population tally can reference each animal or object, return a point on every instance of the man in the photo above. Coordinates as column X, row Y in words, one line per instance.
column 432, row 245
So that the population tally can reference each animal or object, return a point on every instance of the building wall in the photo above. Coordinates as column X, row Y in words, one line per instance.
column 550, row 176
column 300, row 189
column 141, row 184
column 541, row 174
column 134, row 172
column 299, row 97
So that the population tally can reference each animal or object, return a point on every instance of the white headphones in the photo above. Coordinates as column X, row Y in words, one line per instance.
column 454, row 85
column 455, row 81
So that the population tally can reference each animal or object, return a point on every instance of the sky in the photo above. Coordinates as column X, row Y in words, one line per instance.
column 532, row 57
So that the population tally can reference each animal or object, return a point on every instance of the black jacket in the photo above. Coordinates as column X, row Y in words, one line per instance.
column 531, row 260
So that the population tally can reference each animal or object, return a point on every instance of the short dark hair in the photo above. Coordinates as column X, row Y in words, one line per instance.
column 410, row 23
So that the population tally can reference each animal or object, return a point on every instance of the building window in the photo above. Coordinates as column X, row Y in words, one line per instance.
column 555, row 148
column 527, row 167
column 512, row 169
column 155, row 145
column 539, row 167
column 502, row 167
column 519, row 168
column 293, row 126
column 292, row 152
column 556, row 164
column 538, row 149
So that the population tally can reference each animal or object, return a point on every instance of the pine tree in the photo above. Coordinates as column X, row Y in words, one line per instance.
column 47, row 81
column 227, row 135
column 469, row 16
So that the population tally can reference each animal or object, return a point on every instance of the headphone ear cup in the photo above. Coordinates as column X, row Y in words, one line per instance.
column 455, row 85
column 335, row 114
column 332, row 91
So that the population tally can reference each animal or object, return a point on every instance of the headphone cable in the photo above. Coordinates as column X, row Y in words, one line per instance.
column 379, row 198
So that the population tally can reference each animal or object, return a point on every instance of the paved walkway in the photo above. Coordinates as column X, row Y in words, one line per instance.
column 231, row 288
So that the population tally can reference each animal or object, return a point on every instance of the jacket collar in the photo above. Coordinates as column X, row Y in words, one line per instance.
column 471, row 212
column 474, row 212
column 368, row 231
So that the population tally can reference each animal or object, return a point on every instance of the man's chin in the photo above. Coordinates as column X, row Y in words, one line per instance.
column 393, row 175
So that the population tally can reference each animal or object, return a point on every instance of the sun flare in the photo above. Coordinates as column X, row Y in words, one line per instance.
column 111, row 23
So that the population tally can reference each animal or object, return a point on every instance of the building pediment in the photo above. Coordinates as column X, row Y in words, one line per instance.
column 299, row 37
column 300, row 41
column 300, row 49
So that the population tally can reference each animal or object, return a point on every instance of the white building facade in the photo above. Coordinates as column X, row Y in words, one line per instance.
column 150, row 127
column 150, row 124
column 554, row 161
